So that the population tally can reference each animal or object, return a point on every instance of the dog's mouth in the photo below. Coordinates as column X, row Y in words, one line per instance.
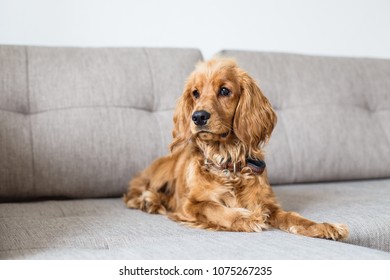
column 211, row 136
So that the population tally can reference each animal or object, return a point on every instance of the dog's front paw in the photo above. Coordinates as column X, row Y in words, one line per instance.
column 250, row 222
column 328, row 231
column 334, row 231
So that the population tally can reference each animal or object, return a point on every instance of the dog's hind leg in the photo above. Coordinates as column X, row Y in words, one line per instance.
column 150, row 190
column 140, row 196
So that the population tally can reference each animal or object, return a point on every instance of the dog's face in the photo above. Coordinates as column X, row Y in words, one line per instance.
column 221, row 102
column 215, row 91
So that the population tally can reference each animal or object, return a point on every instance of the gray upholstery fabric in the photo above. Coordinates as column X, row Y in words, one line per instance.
column 80, row 122
column 362, row 205
column 105, row 229
column 333, row 115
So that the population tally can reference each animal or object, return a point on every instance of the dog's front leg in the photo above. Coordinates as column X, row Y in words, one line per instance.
column 210, row 203
column 214, row 215
column 295, row 223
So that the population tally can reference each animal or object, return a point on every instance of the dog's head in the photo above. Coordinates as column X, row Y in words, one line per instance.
column 221, row 102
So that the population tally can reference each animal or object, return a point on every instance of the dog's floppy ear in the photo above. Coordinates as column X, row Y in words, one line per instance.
column 181, row 119
column 254, row 119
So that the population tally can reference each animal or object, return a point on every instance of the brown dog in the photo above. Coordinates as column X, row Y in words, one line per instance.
column 215, row 176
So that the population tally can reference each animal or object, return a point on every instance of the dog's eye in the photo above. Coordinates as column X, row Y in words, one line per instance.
column 195, row 93
column 224, row 91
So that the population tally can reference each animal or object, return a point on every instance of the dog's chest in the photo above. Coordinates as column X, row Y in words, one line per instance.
column 234, row 190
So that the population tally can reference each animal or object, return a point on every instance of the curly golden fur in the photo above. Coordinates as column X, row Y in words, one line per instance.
column 221, row 118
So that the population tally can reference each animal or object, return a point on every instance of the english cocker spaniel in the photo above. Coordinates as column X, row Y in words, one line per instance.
column 215, row 176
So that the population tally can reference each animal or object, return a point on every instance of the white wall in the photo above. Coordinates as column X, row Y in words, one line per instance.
column 330, row 27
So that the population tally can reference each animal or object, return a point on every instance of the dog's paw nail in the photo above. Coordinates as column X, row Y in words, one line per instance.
column 341, row 231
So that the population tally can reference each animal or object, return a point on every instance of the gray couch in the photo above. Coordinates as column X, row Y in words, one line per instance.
column 77, row 123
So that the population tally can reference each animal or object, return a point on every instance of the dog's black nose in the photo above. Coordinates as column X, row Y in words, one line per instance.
column 200, row 117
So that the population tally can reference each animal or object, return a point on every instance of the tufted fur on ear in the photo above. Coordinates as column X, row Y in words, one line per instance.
column 181, row 119
column 254, row 118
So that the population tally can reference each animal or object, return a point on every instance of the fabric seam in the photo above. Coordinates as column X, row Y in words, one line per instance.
column 28, row 92
column 289, row 146
column 86, row 107
column 156, row 101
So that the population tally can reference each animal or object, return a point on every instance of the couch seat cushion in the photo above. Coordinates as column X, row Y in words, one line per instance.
column 105, row 229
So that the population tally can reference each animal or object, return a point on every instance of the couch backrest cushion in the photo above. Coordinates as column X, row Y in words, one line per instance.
column 333, row 115
column 78, row 122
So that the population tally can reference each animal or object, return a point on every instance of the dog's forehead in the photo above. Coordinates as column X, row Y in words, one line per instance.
column 216, row 71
